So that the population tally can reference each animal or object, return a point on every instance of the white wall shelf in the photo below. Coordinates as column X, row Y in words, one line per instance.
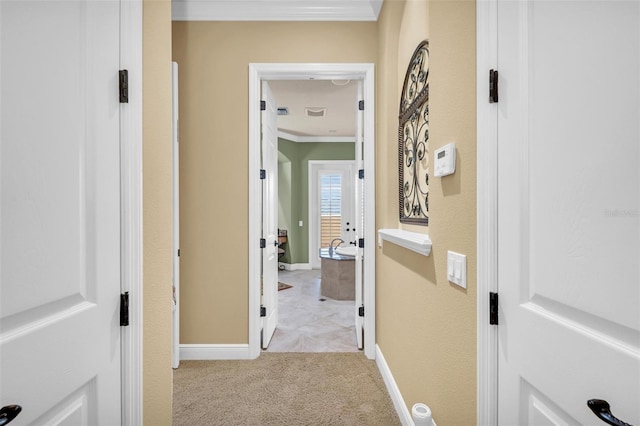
column 420, row 243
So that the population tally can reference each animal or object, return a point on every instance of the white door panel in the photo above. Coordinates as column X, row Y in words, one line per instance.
column 342, row 170
column 269, row 215
column 340, row 174
column 569, row 234
column 60, row 211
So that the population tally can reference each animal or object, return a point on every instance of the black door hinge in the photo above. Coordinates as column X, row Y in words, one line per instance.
column 360, row 105
column 124, row 86
column 361, row 311
column 124, row 309
column 361, row 174
column 361, row 242
column 263, row 243
column 263, row 105
column 493, row 308
column 263, row 311
column 263, row 174
column 493, row 86
column 178, row 252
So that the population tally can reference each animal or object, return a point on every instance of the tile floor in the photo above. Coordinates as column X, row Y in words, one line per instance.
column 305, row 324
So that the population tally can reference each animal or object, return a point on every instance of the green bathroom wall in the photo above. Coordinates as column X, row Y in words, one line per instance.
column 293, row 189
column 287, row 190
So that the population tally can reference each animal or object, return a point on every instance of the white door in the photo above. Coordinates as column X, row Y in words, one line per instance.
column 269, row 216
column 60, row 211
column 359, row 220
column 330, row 205
column 176, row 221
column 568, row 210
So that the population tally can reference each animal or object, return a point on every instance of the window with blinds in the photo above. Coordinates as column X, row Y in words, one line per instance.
column 330, row 208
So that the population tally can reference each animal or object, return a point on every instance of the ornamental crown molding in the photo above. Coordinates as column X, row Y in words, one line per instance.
column 276, row 10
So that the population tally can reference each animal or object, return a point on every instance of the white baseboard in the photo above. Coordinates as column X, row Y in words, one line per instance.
column 394, row 391
column 214, row 352
column 296, row 266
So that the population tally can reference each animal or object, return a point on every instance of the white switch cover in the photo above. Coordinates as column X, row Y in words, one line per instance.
column 457, row 268
column 300, row 223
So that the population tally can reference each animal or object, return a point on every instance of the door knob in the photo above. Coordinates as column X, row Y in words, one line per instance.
column 8, row 413
column 602, row 410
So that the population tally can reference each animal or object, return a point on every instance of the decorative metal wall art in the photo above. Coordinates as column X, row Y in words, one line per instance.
column 413, row 140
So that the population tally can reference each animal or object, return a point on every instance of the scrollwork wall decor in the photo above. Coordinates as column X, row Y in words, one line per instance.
column 413, row 140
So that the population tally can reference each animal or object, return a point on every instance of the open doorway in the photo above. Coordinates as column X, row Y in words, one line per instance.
column 297, row 258
column 317, row 311
column 316, row 126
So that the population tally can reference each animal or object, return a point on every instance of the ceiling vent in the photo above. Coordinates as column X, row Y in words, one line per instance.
column 283, row 111
column 315, row 112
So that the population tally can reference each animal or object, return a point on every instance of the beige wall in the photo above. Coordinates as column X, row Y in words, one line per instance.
column 214, row 60
column 426, row 327
column 157, row 213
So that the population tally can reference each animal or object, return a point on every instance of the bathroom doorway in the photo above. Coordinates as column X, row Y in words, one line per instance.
column 362, row 311
column 316, row 169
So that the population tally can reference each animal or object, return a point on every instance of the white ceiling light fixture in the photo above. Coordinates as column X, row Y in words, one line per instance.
column 315, row 111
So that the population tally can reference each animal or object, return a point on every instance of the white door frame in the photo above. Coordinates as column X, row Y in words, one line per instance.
column 131, row 210
column 487, row 210
column 175, row 254
column 305, row 71
column 314, row 226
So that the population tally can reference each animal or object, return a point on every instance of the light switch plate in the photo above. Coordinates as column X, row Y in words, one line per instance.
column 457, row 268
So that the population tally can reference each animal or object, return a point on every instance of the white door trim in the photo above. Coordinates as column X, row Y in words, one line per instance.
column 292, row 71
column 175, row 359
column 487, row 213
column 131, row 210
column 314, row 227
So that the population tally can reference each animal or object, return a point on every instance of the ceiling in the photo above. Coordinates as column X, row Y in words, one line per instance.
column 337, row 97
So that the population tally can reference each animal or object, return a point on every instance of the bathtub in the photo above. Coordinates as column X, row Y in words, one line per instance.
column 338, row 279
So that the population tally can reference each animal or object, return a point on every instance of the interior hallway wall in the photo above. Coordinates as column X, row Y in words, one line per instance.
column 426, row 327
column 214, row 60
column 157, row 213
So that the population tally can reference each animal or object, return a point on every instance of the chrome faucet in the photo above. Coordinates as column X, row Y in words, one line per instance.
column 331, row 247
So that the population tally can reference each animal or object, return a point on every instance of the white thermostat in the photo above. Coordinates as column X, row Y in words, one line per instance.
column 444, row 160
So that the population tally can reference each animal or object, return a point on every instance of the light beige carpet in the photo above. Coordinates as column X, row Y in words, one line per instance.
column 282, row 389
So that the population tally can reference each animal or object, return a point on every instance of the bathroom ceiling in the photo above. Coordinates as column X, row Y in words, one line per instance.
column 337, row 98
column 276, row 10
